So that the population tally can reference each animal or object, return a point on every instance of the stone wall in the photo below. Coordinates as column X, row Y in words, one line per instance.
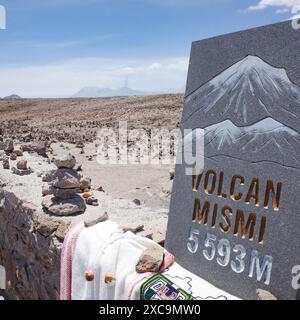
column 30, row 245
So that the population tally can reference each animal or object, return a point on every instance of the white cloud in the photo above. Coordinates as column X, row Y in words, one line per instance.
column 19, row 45
column 282, row 10
column 65, row 79
column 284, row 4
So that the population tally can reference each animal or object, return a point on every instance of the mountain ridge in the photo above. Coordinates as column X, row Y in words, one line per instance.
column 96, row 92
column 246, row 92
column 264, row 140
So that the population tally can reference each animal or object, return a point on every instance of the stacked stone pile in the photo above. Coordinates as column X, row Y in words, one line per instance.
column 10, row 152
column 86, row 189
column 1, row 140
column 64, row 185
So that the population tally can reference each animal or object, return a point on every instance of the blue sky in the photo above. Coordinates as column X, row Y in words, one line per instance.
column 55, row 47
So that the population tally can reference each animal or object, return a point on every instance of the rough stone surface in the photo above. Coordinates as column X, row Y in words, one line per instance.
column 13, row 156
column 8, row 145
column 62, row 230
column 21, row 172
column 46, row 226
column 47, row 190
column 89, row 222
column 92, row 201
column 65, row 193
column 37, row 147
column 30, row 256
column 151, row 260
column 65, row 179
column 87, row 194
column 6, row 164
column 85, row 183
column 22, row 165
column 64, row 160
column 18, row 151
column 60, row 207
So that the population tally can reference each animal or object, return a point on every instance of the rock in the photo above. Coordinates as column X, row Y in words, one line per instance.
column 21, row 172
column 265, row 295
column 27, row 137
column 78, row 167
column 150, row 260
column 13, row 156
column 65, row 193
column 22, row 165
column 46, row 226
column 62, row 230
column 49, row 176
column 166, row 192
column 172, row 174
column 8, row 145
column 137, row 202
column 87, row 194
column 134, row 230
column 2, row 155
column 85, row 183
column 6, row 164
column 1, row 145
column 47, row 190
column 59, row 207
column 91, row 222
column 64, row 160
column 18, row 151
column 92, row 201
column 100, row 189
column 65, row 179
column 146, row 234
column 79, row 145
column 39, row 148
column 31, row 258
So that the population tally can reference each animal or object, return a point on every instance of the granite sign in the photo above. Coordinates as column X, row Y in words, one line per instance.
column 236, row 223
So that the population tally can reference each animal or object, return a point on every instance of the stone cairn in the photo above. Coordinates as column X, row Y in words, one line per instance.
column 62, row 198
column 85, row 187
column 10, row 152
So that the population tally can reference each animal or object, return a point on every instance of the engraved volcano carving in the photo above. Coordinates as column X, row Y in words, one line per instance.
column 263, row 106
column 246, row 92
column 266, row 140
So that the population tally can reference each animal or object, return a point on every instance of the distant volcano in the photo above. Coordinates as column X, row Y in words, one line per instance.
column 95, row 92
column 12, row 97
column 246, row 92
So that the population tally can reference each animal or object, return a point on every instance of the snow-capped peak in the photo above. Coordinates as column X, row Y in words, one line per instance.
column 246, row 92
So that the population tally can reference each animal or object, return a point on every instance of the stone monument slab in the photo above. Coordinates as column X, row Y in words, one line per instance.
column 236, row 222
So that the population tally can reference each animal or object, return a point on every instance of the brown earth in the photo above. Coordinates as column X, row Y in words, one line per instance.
column 74, row 120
